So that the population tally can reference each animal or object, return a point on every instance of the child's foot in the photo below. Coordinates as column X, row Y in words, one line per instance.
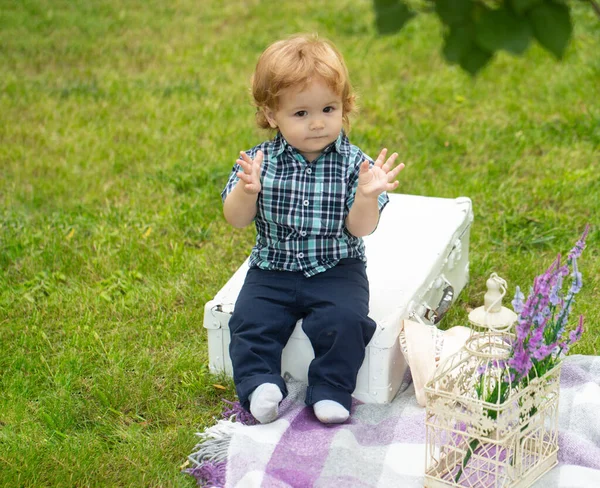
column 264, row 402
column 330, row 412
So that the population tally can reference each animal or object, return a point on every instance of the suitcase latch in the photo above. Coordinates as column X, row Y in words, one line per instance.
column 435, row 315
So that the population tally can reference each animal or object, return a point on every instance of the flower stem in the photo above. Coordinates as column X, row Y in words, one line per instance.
column 472, row 446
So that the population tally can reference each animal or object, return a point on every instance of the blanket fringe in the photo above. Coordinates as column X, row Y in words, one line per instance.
column 209, row 474
column 209, row 458
column 214, row 443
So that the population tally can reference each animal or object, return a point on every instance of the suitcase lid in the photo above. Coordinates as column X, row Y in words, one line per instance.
column 407, row 251
column 404, row 255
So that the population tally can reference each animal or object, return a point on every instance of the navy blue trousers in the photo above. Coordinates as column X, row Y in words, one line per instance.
column 334, row 306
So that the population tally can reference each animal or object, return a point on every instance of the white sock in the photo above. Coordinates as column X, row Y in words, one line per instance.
column 264, row 402
column 330, row 412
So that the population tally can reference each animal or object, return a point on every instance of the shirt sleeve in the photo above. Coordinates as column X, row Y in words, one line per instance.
column 231, row 182
column 382, row 199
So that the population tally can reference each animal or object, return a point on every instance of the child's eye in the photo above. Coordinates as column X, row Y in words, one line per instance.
column 301, row 113
column 328, row 109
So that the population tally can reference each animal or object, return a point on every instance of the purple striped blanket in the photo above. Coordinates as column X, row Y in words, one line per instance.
column 381, row 445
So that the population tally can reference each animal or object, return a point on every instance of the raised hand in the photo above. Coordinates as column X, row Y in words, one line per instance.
column 381, row 177
column 250, row 176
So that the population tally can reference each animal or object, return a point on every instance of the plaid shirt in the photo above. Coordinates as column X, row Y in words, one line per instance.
column 302, row 207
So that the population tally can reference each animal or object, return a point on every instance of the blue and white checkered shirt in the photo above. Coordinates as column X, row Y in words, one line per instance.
column 302, row 207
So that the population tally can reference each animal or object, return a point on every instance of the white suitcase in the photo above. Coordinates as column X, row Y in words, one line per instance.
column 417, row 263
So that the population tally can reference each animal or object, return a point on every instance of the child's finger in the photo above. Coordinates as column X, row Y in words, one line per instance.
column 395, row 172
column 390, row 162
column 365, row 176
column 392, row 186
column 257, row 164
column 244, row 157
column 242, row 176
column 381, row 158
column 245, row 167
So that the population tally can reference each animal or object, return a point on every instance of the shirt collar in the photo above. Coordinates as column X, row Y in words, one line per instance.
column 341, row 145
column 279, row 144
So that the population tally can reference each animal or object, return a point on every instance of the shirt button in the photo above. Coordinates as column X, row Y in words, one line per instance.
column 300, row 254
column 308, row 170
column 303, row 233
column 305, row 202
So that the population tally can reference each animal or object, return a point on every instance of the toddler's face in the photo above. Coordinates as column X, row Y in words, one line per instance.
column 310, row 119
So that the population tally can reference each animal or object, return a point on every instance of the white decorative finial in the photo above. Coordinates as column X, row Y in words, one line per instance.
column 492, row 300
column 493, row 315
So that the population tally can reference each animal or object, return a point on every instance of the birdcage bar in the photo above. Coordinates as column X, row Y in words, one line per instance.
column 502, row 444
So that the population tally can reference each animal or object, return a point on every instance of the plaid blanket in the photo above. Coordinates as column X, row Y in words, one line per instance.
column 381, row 445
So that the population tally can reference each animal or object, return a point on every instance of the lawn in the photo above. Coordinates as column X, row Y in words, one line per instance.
column 119, row 123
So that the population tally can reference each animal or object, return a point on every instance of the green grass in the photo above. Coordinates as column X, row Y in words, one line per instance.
column 119, row 122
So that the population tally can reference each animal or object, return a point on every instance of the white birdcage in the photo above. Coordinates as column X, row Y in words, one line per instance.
column 482, row 429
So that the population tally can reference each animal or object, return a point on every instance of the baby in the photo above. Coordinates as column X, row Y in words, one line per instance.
column 312, row 195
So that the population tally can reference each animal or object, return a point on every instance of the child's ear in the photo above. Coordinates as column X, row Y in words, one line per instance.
column 270, row 116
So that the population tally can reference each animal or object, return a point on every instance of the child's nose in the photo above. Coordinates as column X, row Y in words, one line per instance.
column 317, row 124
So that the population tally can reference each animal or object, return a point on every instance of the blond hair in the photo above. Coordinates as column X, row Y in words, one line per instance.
column 295, row 62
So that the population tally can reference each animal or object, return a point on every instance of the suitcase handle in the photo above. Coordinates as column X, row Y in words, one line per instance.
column 434, row 316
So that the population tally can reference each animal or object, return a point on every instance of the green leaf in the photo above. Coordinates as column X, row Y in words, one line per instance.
column 475, row 59
column 391, row 15
column 552, row 26
column 502, row 29
column 453, row 12
column 458, row 42
column 520, row 6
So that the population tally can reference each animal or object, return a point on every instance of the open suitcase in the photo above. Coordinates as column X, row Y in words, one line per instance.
column 417, row 264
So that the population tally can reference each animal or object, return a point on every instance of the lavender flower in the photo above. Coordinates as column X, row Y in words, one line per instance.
column 577, row 282
column 539, row 342
column 494, row 364
column 517, row 302
column 576, row 334
column 520, row 361
column 579, row 245
column 540, row 332
column 554, row 293
column 543, row 351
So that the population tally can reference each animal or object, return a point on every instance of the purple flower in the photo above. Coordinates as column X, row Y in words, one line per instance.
column 542, row 318
column 564, row 347
column 555, row 292
column 523, row 328
column 576, row 334
column 517, row 302
column 537, row 337
column 539, row 320
column 520, row 361
column 577, row 282
column 544, row 351
column 499, row 363
column 579, row 245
